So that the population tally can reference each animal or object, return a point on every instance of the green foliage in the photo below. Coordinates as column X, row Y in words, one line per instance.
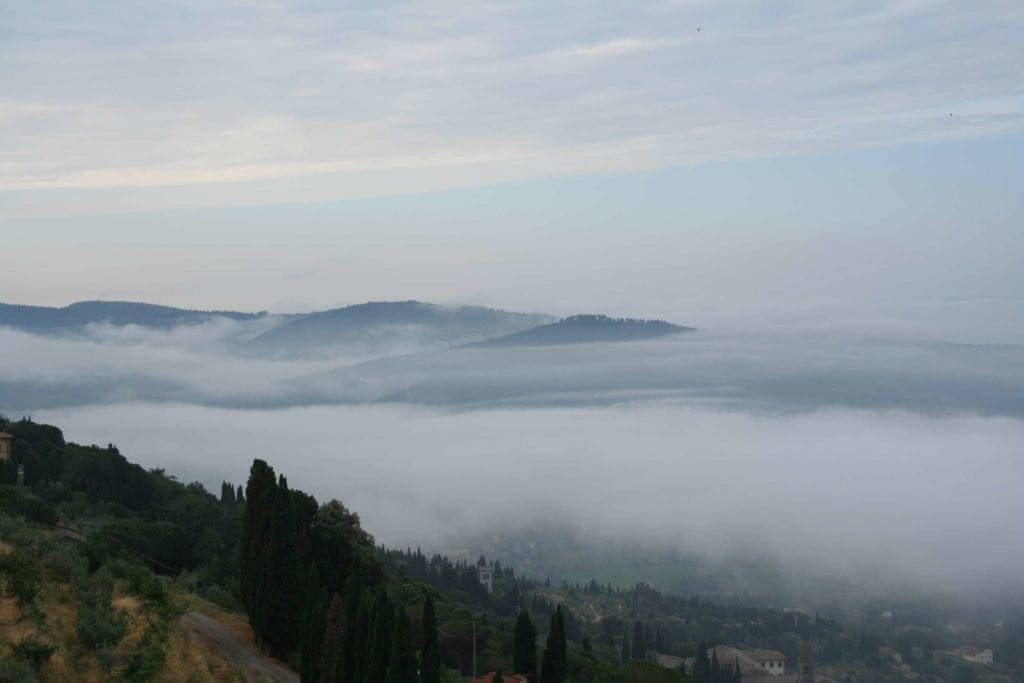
column 17, row 500
column 147, row 661
column 99, row 626
column 430, row 653
column 524, row 646
column 402, row 663
column 33, row 651
column 21, row 574
column 554, row 664
column 331, row 649
column 639, row 642
column 16, row 671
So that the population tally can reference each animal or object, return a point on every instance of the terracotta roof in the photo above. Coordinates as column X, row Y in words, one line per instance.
column 5, row 435
column 766, row 655
column 507, row 678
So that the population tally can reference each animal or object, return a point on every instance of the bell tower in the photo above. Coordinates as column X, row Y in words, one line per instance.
column 806, row 663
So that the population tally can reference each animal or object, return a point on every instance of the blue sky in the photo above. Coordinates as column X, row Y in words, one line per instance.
column 551, row 156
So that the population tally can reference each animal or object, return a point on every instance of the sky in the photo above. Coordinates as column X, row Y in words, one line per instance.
column 663, row 159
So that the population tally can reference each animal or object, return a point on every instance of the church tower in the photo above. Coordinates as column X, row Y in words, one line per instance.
column 806, row 663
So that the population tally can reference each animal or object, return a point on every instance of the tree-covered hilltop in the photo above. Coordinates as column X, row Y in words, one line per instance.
column 584, row 329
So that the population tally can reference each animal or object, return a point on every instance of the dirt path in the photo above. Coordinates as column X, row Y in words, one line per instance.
column 240, row 653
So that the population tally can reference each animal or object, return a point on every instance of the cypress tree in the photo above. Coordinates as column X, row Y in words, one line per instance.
column 702, row 667
column 239, row 495
column 524, row 647
column 254, row 543
column 352, row 644
column 554, row 664
column 639, row 646
column 430, row 653
column 282, row 600
column 626, row 655
column 588, row 650
column 313, row 618
column 401, row 666
column 331, row 650
column 716, row 671
column 383, row 624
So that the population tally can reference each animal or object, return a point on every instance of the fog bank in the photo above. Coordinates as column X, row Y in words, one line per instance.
column 848, row 491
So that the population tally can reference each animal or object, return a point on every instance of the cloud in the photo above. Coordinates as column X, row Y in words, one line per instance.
column 193, row 94
column 896, row 495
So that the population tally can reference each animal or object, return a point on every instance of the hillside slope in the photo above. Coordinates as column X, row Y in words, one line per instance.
column 76, row 317
column 584, row 329
column 412, row 324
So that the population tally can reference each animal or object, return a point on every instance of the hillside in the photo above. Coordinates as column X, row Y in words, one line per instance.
column 585, row 329
column 76, row 317
column 391, row 323
column 59, row 622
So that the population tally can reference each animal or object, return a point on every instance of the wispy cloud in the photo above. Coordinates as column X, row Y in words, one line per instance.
column 198, row 94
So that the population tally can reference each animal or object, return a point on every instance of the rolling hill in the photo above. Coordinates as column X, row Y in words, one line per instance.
column 395, row 324
column 583, row 329
column 73, row 319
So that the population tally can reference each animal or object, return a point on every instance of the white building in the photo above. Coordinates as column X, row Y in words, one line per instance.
column 772, row 661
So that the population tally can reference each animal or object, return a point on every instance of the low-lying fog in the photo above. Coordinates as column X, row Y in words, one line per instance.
column 846, row 491
column 877, row 444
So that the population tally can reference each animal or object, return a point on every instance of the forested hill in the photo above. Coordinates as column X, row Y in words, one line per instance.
column 76, row 317
column 388, row 322
column 583, row 329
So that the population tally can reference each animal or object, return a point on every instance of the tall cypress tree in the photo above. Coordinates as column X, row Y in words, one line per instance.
column 379, row 647
column 702, row 667
column 430, row 653
column 255, row 530
column 402, row 662
column 354, row 632
column 555, row 662
column 639, row 644
column 332, row 648
column 625, row 654
column 524, row 647
column 282, row 600
column 313, row 617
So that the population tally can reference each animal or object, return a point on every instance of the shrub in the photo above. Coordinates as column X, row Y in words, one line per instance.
column 22, row 575
column 33, row 651
column 15, row 671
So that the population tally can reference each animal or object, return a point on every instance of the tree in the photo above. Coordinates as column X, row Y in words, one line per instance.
column 588, row 650
column 639, row 645
column 497, row 677
column 626, row 654
column 430, row 653
column 334, row 641
column 702, row 667
column 313, row 618
column 524, row 647
column 402, row 663
column 554, row 664
column 381, row 630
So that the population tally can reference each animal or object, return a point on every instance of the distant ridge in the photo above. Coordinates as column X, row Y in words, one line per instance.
column 385, row 321
column 582, row 329
column 75, row 317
